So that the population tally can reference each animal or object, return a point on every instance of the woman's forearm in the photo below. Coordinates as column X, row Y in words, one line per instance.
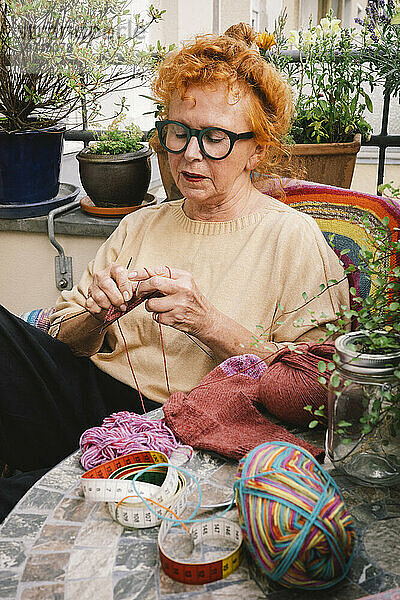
column 225, row 338
column 82, row 333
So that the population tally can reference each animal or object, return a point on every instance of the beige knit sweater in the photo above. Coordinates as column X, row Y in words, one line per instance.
column 245, row 267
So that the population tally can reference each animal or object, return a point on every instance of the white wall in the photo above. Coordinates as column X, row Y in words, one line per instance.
column 308, row 8
column 27, row 267
column 273, row 9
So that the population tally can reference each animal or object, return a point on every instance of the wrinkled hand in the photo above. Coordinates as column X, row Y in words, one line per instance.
column 181, row 305
column 111, row 286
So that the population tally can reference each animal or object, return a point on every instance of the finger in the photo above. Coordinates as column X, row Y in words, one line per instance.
column 158, row 283
column 104, row 285
column 92, row 306
column 147, row 272
column 120, row 276
column 159, row 305
column 140, row 274
column 99, row 298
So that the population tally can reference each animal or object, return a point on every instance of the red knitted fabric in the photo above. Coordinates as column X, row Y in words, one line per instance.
column 291, row 382
column 219, row 415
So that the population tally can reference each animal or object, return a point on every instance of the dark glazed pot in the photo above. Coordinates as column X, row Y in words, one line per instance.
column 115, row 180
column 30, row 165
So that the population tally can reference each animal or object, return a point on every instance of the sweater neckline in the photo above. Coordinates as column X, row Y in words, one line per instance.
column 213, row 227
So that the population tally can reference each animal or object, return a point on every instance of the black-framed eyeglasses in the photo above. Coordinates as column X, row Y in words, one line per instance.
column 214, row 142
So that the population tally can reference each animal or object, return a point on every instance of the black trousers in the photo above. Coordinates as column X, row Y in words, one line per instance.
column 48, row 397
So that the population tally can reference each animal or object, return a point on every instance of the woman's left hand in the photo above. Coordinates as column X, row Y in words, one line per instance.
column 179, row 303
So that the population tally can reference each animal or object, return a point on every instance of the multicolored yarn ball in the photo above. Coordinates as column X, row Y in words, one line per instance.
column 293, row 518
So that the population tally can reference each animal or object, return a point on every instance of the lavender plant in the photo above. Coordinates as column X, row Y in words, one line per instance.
column 57, row 55
column 381, row 26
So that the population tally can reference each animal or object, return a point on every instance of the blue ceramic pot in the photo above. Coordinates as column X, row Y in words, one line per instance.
column 30, row 165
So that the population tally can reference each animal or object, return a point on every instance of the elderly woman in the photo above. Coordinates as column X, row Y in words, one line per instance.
column 210, row 268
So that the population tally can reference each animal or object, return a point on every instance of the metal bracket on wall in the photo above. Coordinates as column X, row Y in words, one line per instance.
column 63, row 264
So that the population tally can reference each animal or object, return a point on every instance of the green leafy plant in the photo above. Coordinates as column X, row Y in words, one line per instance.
column 377, row 316
column 329, row 81
column 389, row 190
column 115, row 141
column 57, row 56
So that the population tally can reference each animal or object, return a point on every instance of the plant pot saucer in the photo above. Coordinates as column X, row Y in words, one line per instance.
column 114, row 211
column 66, row 193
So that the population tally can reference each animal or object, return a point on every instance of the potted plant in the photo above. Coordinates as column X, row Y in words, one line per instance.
column 363, row 437
column 381, row 27
column 56, row 59
column 329, row 85
column 115, row 170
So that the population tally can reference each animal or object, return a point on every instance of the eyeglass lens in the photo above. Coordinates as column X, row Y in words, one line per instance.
column 216, row 143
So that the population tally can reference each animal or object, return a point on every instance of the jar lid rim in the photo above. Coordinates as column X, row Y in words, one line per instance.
column 347, row 353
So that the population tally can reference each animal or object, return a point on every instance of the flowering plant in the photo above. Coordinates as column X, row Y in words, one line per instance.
column 329, row 80
column 382, row 26
column 59, row 55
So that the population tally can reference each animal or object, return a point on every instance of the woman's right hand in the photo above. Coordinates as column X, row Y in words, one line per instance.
column 110, row 287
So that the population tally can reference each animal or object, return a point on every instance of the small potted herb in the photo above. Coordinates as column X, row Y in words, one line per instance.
column 115, row 170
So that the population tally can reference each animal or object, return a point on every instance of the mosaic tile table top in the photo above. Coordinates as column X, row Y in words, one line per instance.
column 55, row 545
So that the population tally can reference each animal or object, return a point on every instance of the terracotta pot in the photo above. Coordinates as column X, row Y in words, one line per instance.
column 115, row 180
column 170, row 187
column 331, row 164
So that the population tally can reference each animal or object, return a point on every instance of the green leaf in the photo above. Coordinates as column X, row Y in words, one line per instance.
column 313, row 424
column 322, row 366
column 368, row 102
column 322, row 380
column 335, row 380
column 344, row 424
column 308, row 408
column 396, row 19
column 305, row 296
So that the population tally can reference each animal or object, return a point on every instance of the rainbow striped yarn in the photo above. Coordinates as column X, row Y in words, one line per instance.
column 293, row 518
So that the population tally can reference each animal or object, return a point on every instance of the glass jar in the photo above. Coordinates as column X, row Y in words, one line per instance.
column 364, row 386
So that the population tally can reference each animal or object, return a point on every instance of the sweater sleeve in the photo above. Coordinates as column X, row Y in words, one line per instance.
column 308, row 297
column 72, row 301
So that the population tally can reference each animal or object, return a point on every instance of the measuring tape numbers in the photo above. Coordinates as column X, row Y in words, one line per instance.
column 165, row 489
column 203, row 572
column 112, row 483
column 135, row 514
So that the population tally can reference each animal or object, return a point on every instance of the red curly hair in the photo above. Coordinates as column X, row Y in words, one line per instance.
column 231, row 59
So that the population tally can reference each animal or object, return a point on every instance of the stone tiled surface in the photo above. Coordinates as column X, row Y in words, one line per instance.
column 57, row 546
